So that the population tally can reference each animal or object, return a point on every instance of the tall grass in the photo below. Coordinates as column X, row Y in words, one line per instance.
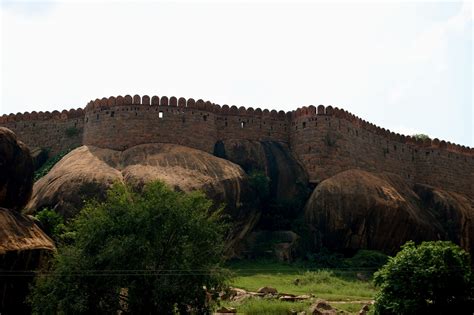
column 338, row 284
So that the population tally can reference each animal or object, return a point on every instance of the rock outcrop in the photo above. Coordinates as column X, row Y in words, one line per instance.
column 360, row 210
column 23, row 245
column 87, row 172
column 16, row 171
column 288, row 179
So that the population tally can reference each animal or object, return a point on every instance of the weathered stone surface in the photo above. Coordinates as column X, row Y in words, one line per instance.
column 267, row 290
column 321, row 307
column 23, row 245
column 287, row 175
column 89, row 171
column 360, row 210
column 23, row 248
column 16, row 171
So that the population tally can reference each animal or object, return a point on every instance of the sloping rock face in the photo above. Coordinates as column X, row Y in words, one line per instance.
column 23, row 245
column 360, row 210
column 87, row 172
column 16, row 171
column 287, row 176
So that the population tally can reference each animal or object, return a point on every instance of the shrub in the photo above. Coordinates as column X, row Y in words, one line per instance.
column 152, row 252
column 420, row 136
column 49, row 165
column 52, row 223
column 260, row 183
column 432, row 278
column 72, row 132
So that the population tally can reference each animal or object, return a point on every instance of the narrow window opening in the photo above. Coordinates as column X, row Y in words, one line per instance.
column 112, row 114
column 160, row 115
column 304, row 125
column 97, row 116
column 226, row 123
column 242, row 124
column 204, row 118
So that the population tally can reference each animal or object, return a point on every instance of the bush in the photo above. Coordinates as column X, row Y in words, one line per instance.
column 260, row 183
column 432, row 278
column 43, row 170
column 72, row 132
column 153, row 252
column 420, row 136
column 52, row 223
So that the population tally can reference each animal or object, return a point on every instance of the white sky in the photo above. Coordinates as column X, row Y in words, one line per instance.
column 406, row 66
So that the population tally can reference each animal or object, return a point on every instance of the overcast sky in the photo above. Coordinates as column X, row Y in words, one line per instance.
column 403, row 66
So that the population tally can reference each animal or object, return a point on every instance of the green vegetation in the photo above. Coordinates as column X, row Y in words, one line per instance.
column 259, row 306
column 337, row 284
column 49, row 164
column 260, row 183
column 72, row 132
column 432, row 278
column 364, row 260
column 420, row 136
column 152, row 252
column 52, row 223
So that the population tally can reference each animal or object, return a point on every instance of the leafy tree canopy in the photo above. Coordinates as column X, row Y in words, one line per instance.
column 421, row 136
column 432, row 278
column 152, row 252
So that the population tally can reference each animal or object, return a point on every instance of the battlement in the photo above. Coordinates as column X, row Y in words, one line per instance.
column 128, row 100
column 325, row 138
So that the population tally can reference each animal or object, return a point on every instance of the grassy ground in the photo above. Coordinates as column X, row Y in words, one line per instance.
column 332, row 285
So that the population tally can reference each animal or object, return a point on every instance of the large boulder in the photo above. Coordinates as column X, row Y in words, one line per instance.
column 16, row 171
column 87, row 172
column 360, row 210
column 288, row 178
column 23, row 245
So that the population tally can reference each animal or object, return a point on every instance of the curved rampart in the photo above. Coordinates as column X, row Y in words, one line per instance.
column 121, row 122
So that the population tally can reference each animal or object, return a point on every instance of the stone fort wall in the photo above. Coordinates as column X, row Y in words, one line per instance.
column 326, row 140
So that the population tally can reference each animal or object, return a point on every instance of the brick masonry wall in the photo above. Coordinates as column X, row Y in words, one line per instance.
column 326, row 140
column 329, row 141
column 56, row 131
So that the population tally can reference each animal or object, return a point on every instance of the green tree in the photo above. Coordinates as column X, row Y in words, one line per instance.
column 52, row 223
column 151, row 252
column 421, row 136
column 432, row 278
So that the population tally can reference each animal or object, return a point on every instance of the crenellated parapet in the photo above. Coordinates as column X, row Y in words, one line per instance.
column 34, row 116
column 128, row 100
column 226, row 110
column 312, row 111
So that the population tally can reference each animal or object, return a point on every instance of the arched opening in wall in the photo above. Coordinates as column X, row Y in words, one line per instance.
column 242, row 124
column 112, row 114
column 304, row 124
column 160, row 114
column 204, row 118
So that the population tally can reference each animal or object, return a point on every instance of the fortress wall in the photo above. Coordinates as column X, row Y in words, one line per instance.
column 56, row 131
column 120, row 123
column 250, row 124
column 329, row 141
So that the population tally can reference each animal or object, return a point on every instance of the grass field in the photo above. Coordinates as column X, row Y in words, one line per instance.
column 332, row 285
